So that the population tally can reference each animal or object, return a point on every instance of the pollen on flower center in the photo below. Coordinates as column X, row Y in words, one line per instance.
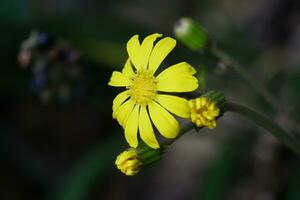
column 143, row 88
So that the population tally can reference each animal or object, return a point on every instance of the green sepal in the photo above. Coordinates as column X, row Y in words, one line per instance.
column 217, row 97
column 147, row 155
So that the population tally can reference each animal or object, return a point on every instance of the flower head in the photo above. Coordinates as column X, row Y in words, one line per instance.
column 142, row 103
column 204, row 112
column 128, row 162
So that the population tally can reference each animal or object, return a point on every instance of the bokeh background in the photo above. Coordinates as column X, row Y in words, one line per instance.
column 57, row 138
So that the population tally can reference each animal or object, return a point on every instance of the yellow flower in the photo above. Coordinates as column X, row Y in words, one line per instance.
column 142, row 103
column 128, row 162
column 204, row 112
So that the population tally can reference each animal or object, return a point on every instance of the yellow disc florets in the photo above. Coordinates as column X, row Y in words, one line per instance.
column 143, row 88
column 128, row 162
column 204, row 112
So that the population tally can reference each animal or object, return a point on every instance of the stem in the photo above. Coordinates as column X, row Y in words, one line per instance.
column 257, row 86
column 254, row 83
column 265, row 122
column 183, row 131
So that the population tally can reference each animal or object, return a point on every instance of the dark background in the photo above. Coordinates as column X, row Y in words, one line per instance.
column 63, row 146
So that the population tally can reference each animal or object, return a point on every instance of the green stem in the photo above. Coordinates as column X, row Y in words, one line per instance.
column 291, row 140
column 183, row 131
column 254, row 83
column 257, row 86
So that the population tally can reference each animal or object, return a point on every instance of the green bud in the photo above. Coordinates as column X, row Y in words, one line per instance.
column 192, row 34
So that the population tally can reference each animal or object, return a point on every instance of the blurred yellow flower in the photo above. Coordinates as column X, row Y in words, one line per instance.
column 128, row 162
column 142, row 103
column 204, row 112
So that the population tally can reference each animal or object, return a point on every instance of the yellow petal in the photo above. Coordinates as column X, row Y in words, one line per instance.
column 177, row 105
column 127, row 70
column 146, row 49
column 133, row 50
column 119, row 99
column 160, row 52
column 124, row 111
column 146, row 130
column 177, row 78
column 132, row 127
column 165, row 123
column 118, row 79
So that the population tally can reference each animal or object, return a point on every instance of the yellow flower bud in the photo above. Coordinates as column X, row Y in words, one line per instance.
column 132, row 160
column 204, row 112
column 128, row 162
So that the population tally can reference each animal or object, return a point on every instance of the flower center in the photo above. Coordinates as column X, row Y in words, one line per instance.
column 143, row 88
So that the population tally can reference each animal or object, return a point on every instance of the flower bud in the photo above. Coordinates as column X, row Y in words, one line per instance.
column 132, row 160
column 206, row 109
column 128, row 162
column 191, row 34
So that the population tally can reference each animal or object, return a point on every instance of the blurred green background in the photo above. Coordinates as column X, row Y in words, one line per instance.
column 57, row 138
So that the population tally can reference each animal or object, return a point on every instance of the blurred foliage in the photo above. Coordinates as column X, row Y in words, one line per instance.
column 225, row 170
column 294, row 192
column 93, row 167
